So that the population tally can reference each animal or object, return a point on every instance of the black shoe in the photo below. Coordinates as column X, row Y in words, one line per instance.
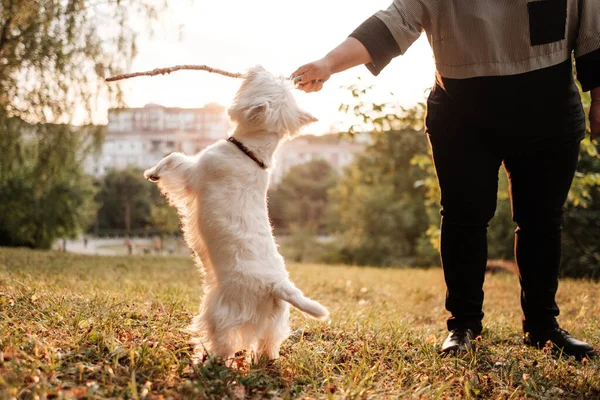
column 459, row 341
column 561, row 341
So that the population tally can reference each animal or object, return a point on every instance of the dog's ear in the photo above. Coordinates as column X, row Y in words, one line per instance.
column 293, row 125
column 306, row 118
column 256, row 112
column 253, row 112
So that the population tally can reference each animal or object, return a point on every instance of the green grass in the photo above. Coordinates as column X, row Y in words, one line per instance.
column 76, row 326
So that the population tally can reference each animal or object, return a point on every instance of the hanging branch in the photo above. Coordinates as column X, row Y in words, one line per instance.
column 163, row 71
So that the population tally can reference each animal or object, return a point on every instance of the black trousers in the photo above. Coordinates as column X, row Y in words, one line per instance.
column 471, row 135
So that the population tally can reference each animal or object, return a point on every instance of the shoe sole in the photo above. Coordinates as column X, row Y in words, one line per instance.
column 556, row 349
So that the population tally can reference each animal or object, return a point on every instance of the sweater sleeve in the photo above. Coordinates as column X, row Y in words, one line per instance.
column 406, row 19
column 587, row 46
column 379, row 42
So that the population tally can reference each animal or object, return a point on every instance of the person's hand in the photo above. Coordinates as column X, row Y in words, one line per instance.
column 595, row 119
column 310, row 77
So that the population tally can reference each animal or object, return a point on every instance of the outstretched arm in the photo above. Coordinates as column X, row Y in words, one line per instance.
column 383, row 36
column 350, row 53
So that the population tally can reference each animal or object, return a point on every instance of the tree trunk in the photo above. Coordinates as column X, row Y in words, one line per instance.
column 127, row 216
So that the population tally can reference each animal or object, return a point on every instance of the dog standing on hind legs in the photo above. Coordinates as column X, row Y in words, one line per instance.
column 220, row 194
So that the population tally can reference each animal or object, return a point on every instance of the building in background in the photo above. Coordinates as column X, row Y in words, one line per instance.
column 336, row 151
column 141, row 137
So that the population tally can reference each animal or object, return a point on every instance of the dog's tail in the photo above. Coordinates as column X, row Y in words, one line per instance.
column 288, row 292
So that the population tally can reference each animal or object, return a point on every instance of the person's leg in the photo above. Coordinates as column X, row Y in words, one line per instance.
column 467, row 170
column 540, row 180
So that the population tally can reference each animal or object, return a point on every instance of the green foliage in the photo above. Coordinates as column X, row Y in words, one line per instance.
column 44, row 193
column 380, row 200
column 125, row 200
column 301, row 245
column 501, row 230
column 300, row 200
column 381, row 210
column 163, row 216
column 55, row 54
column 129, row 204
column 428, row 244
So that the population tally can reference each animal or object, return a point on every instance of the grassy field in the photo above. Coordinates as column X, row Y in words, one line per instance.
column 96, row 327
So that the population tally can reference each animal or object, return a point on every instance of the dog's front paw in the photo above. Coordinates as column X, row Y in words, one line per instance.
column 151, row 174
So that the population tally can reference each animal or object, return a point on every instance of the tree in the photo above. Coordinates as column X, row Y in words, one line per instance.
column 125, row 198
column 44, row 193
column 380, row 199
column 163, row 216
column 54, row 56
column 130, row 204
column 301, row 199
column 381, row 210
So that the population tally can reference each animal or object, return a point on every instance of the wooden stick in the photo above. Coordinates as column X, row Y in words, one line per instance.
column 163, row 71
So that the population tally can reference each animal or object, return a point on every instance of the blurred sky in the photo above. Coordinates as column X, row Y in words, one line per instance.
column 279, row 34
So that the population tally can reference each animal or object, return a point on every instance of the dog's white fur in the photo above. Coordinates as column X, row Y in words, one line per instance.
column 220, row 194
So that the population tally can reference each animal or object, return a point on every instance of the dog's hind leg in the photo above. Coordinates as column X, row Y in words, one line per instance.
column 276, row 330
column 221, row 344
column 212, row 338
column 218, row 325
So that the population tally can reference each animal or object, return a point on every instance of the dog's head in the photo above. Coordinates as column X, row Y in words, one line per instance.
column 266, row 102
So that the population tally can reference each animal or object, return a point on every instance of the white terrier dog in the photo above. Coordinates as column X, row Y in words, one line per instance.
column 221, row 197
